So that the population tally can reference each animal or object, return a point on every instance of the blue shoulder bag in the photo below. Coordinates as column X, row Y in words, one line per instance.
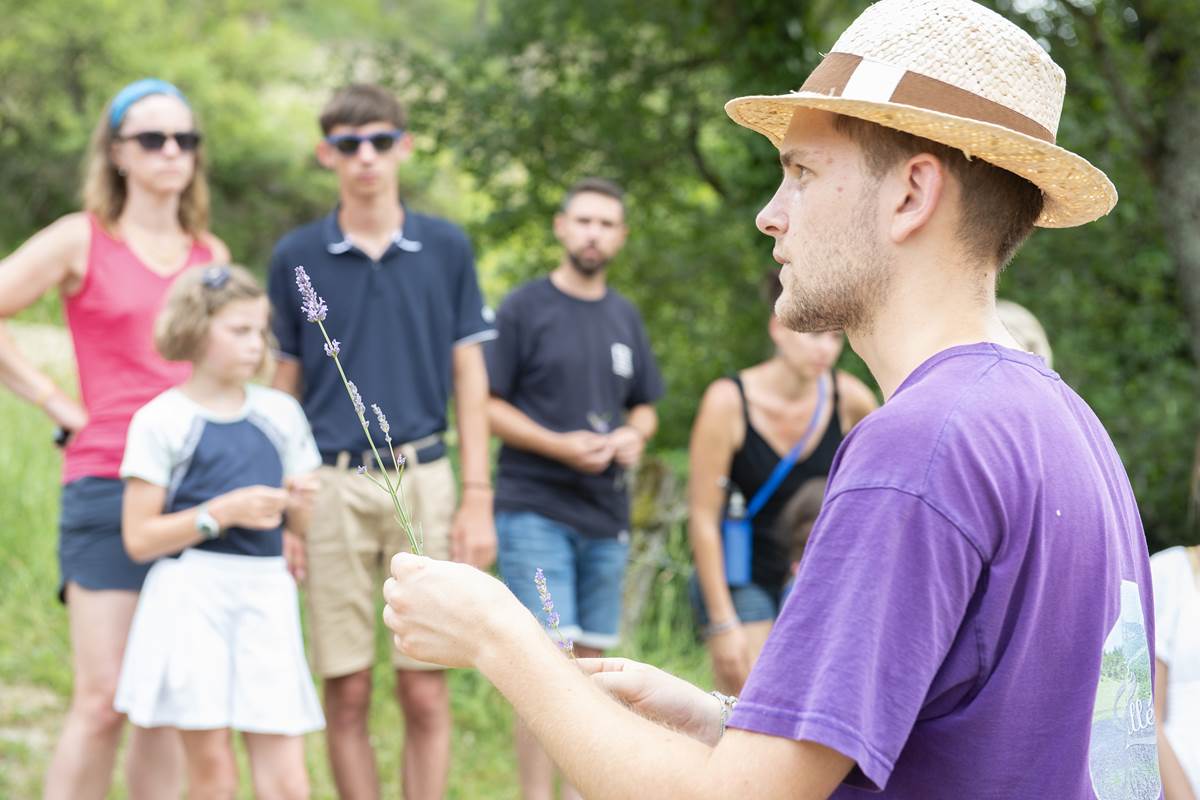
column 737, row 532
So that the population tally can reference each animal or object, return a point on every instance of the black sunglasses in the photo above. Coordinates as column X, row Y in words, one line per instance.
column 156, row 140
column 348, row 143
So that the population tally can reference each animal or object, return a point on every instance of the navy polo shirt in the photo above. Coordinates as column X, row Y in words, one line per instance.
column 398, row 320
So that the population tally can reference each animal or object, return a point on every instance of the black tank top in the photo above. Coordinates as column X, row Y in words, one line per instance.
column 752, row 466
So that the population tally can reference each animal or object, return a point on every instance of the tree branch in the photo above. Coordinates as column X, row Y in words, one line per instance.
column 693, row 145
column 1120, row 89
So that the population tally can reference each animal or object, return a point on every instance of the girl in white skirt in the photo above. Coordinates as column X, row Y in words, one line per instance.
column 213, row 469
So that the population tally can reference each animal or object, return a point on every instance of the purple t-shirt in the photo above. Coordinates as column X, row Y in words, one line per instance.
column 972, row 617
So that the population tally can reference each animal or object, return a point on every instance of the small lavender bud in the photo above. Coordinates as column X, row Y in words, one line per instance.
column 313, row 306
column 333, row 348
column 357, row 400
column 383, row 423
column 361, row 470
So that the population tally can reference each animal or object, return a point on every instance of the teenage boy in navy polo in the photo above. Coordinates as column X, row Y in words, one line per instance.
column 404, row 301
column 573, row 381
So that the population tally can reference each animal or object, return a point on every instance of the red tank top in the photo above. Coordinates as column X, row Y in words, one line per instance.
column 111, row 319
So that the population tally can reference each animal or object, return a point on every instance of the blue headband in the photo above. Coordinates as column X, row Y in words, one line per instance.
column 137, row 91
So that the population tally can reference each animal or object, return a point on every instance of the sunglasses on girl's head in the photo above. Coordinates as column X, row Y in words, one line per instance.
column 348, row 143
column 156, row 140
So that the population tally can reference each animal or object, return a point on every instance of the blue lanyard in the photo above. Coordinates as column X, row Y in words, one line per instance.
column 787, row 462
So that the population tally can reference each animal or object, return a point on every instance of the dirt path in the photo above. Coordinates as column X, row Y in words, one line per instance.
column 30, row 717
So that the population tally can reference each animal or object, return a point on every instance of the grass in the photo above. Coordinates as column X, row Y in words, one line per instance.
column 35, row 674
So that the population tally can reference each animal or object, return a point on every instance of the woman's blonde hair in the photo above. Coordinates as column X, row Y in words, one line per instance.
column 1026, row 329
column 198, row 294
column 104, row 188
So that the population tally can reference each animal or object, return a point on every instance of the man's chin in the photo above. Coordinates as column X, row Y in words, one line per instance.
column 807, row 318
column 588, row 266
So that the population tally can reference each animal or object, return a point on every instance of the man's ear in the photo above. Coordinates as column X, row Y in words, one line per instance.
column 325, row 154
column 918, row 189
column 405, row 146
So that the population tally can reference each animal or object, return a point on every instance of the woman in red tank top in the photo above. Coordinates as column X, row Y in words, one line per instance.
column 145, row 221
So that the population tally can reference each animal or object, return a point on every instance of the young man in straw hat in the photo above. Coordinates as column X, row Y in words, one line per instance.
column 972, row 615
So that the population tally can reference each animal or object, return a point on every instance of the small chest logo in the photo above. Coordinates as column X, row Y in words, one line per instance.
column 622, row 358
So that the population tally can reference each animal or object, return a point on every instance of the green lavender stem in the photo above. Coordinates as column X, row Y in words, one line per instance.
column 315, row 310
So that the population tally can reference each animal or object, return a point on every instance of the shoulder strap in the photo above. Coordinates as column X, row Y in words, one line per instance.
column 764, row 493
column 737, row 381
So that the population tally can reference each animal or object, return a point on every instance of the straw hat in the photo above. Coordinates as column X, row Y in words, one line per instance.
column 957, row 73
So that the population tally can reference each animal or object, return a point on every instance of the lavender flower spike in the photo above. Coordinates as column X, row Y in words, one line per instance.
column 333, row 347
column 552, row 619
column 313, row 306
column 357, row 400
column 383, row 423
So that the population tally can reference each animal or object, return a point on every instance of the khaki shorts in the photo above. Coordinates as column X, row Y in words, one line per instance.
column 351, row 541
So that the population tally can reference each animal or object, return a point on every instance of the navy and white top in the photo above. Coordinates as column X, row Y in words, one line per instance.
column 398, row 319
column 197, row 454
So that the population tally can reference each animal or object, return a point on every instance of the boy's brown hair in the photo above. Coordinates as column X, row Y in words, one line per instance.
column 361, row 104
column 801, row 512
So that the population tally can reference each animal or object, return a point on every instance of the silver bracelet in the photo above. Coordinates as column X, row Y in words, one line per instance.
column 727, row 704
column 712, row 629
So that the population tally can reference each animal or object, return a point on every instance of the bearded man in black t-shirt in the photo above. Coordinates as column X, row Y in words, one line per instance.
column 573, row 382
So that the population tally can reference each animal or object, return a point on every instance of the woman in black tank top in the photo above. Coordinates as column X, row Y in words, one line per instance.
column 745, row 425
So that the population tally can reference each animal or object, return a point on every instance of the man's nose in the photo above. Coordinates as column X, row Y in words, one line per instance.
column 771, row 220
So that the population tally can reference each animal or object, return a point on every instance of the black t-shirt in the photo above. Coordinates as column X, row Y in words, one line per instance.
column 569, row 364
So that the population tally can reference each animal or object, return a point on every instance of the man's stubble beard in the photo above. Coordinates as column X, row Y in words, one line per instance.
column 844, row 284
column 587, row 267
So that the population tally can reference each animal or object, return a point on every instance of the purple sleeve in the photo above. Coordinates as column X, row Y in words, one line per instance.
column 880, row 597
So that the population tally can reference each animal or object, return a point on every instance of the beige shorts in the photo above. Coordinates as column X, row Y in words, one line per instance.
column 351, row 541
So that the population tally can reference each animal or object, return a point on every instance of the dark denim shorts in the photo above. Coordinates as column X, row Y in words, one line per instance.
column 585, row 575
column 753, row 603
column 90, row 550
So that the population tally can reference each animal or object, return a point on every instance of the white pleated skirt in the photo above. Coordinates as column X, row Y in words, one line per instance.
column 216, row 643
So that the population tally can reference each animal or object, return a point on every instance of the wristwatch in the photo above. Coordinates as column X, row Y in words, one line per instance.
column 206, row 524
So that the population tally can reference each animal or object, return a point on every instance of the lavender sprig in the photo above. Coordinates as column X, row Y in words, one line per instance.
column 313, row 306
column 315, row 310
column 552, row 620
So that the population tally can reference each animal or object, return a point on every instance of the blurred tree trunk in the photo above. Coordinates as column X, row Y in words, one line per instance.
column 1179, row 192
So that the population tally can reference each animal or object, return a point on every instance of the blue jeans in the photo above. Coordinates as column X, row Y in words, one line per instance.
column 585, row 575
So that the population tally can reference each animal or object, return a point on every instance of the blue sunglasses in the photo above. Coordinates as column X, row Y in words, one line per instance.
column 348, row 143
